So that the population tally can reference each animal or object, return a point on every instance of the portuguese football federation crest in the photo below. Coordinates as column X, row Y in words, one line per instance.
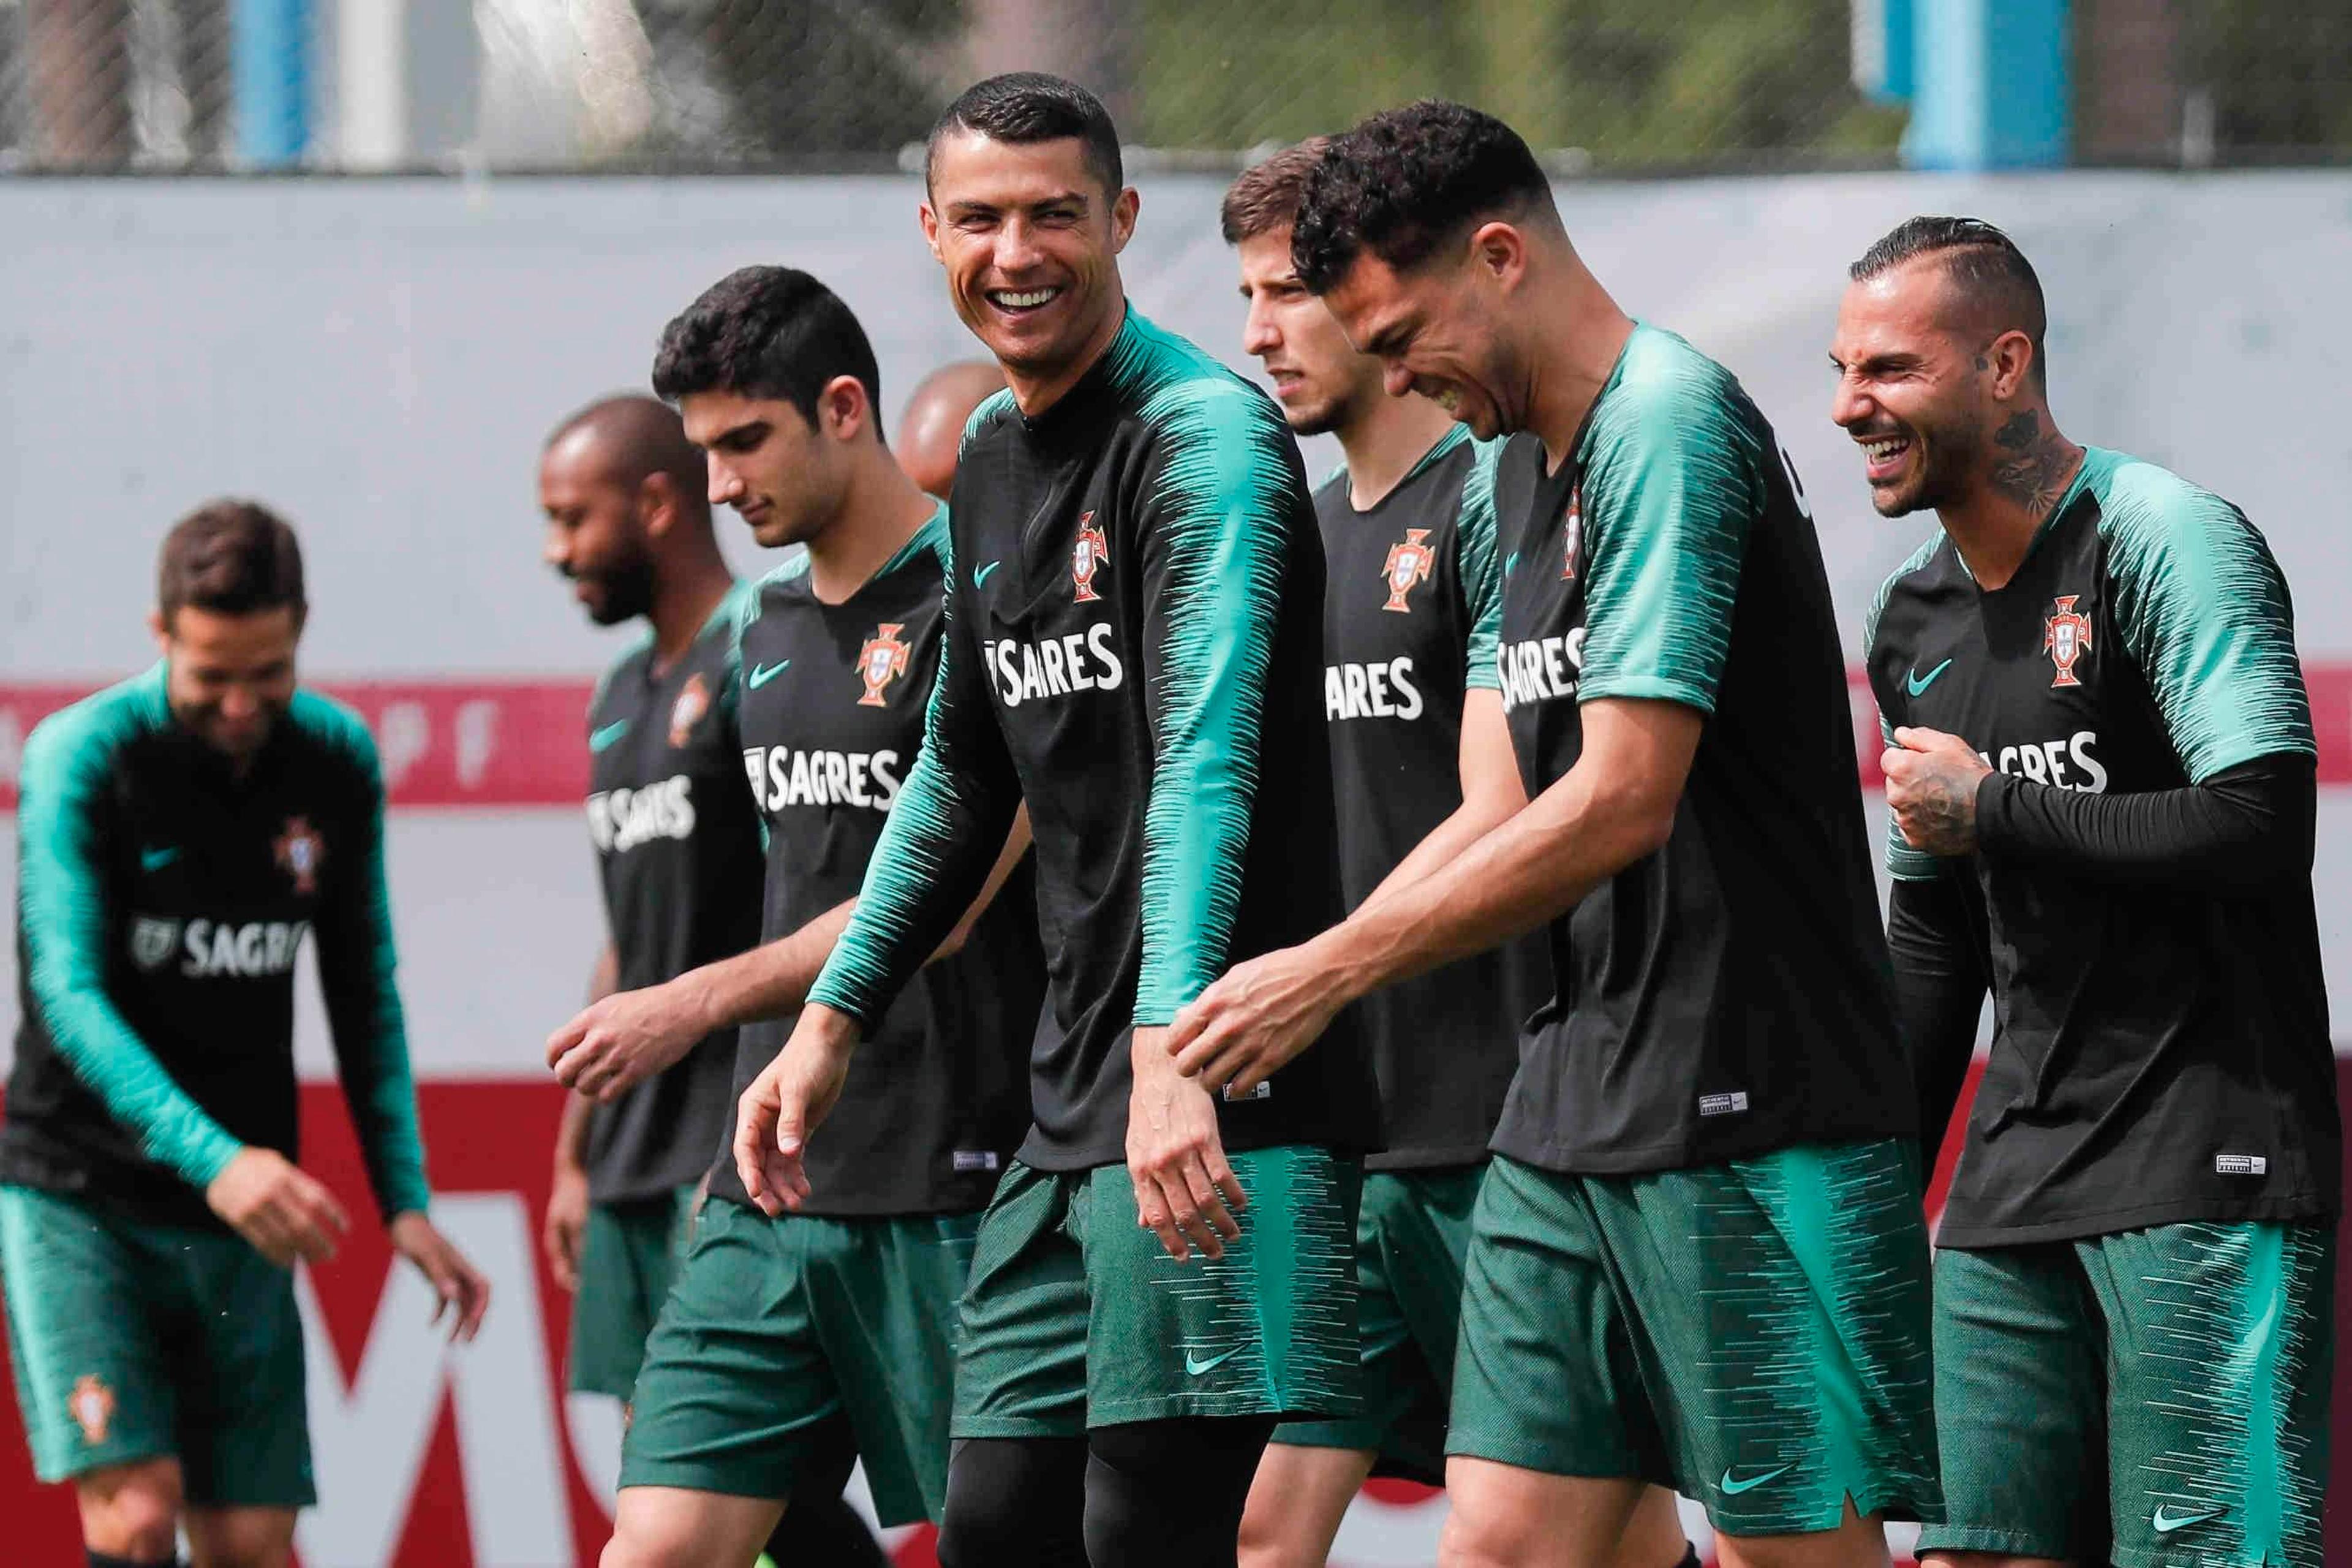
column 1407, row 566
column 91, row 1405
column 882, row 660
column 685, row 713
column 2066, row 639
column 299, row 850
column 1572, row 526
column 153, row 941
column 1090, row 554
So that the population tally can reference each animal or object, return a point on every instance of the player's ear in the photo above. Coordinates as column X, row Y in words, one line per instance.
column 2011, row 355
column 930, row 221
column 159, row 631
column 1500, row 251
column 657, row 504
column 842, row 410
column 1123, row 210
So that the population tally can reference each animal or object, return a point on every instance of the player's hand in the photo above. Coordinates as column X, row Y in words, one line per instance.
column 786, row 1102
column 1931, row 787
column 1184, row 1190
column 612, row 1044
column 285, row 1214
column 463, row 1294
column 567, row 1223
column 1255, row 1019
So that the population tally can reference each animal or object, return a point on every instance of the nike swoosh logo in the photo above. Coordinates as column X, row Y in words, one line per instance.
column 764, row 674
column 2167, row 1522
column 156, row 860
column 608, row 734
column 1732, row 1488
column 1510, row 562
column 979, row 574
column 1919, row 685
column 1195, row 1366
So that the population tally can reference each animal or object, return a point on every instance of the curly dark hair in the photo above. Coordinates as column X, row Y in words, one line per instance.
column 1024, row 108
column 1406, row 181
column 766, row 332
column 1984, row 265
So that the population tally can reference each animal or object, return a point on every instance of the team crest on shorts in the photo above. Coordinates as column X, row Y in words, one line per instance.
column 685, row 713
column 1407, row 567
column 91, row 1405
column 1573, row 527
column 1090, row 554
column 153, row 941
column 881, row 661
column 2066, row 638
column 299, row 850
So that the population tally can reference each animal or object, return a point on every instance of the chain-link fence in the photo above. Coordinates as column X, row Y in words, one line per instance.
column 795, row 84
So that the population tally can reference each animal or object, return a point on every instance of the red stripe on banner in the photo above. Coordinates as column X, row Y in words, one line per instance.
column 443, row 742
column 459, row 743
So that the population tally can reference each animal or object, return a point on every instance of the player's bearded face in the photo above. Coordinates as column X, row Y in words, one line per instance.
column 1319, row 379
column 1435, row 332
column 1030, row 240
column 593, row 537
column 1908, row 394
column 229, row 677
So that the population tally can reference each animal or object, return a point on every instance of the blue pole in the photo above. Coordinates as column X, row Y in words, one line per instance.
column 269, row 42
column 1991, row 87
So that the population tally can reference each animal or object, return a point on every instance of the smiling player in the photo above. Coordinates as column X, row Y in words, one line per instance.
column 2102, row 772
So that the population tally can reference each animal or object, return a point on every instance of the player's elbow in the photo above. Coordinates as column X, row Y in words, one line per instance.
column 1639, row 817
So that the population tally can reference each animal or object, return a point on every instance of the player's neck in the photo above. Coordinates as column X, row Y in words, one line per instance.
column 880, row 511
column 1386, row 442
column 1995, row 523
column 1578, row 331
column 1034, row 394
column 685, row 598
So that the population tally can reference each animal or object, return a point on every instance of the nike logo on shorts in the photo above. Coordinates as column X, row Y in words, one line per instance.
column 1194, row 1365
column 1733, row 1486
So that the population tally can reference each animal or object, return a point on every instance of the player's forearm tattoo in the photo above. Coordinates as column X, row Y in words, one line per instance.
column 1942, row 818
column 2033, row 472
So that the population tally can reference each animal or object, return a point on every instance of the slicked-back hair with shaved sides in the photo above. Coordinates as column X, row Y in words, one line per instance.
column 1984, row 266
column 1406, row 181
column 1024, row 108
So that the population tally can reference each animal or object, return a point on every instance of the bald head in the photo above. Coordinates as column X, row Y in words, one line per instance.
column 932, row 427
column 625, row 440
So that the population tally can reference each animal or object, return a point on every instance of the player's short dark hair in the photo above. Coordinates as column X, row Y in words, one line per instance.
column 1982, row 263
column 232, row 558
column 766, row 332
column 1027, row 107
column 1406, row 181
column 1266, row 198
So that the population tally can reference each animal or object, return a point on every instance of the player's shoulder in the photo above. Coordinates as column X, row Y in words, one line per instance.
column 996, row 414
column 1917, row 575
column 335, row 729
column 90, row 734
column 2148, row 505
column 1184, row 396
column 1665, row 393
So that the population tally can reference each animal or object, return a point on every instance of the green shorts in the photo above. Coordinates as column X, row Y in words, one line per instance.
column 1754, row 1334
column 1411, row 1235
column 2156, row 1396
column 628, row 1258
column 137, row 1342
column 1076, row 1317
column 776, row 1328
